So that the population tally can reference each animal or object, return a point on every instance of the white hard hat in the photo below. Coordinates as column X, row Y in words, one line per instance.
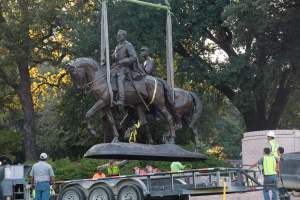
column 43, row 156
column 271, row 134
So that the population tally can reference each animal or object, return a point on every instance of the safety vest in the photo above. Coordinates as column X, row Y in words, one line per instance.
column 274, row 147
column 269, row 165
column 176, row 166
column 113, row 171
column 98, row 175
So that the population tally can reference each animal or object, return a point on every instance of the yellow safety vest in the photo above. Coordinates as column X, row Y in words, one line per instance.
column 269, row 165
column 274, row 147
column 113, row 171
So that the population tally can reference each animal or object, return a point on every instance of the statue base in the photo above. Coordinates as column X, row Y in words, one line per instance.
column 135, row 151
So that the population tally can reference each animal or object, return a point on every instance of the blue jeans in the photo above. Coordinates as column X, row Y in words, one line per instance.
column 270, row 183
column 42, row 191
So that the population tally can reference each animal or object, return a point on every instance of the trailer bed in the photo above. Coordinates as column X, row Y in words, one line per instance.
column 166, row 185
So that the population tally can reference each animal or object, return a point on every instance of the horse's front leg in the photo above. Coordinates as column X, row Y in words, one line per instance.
column 170, row 136
column 113, row 124
column 88, row 116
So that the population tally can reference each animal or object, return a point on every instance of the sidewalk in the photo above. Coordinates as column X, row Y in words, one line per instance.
column 257, row 195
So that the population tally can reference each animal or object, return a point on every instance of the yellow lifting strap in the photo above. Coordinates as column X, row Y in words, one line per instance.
column 224, row 190
column 154, row 93
column 134, row 132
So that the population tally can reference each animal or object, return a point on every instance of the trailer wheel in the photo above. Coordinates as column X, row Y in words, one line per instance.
column 72, row 193
column 130, row 192
column 100, row 193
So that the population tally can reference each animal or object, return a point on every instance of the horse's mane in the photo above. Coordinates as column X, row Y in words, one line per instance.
column 84, row 62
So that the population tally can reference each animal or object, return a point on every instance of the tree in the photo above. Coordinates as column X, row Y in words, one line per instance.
column 27, row 38
column 261, row 45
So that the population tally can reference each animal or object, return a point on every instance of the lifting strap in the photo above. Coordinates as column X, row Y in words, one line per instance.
column 170, row 61
column 134, row 132
column 104, row 59
column 224, row 190
column 154, row 92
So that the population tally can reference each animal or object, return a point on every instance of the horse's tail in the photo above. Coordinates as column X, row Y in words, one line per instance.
column 197, row 111
column 194, row 118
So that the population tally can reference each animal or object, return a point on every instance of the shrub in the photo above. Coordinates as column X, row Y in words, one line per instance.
column 66, row 169
column 10, row 143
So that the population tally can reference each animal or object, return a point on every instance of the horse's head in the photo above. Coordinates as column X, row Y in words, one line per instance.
column 77, row 73
column 82, row 71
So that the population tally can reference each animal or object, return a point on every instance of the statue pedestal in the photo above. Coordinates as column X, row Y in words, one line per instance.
column 135, row 151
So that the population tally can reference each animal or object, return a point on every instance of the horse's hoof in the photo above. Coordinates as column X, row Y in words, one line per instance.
column 115, row 140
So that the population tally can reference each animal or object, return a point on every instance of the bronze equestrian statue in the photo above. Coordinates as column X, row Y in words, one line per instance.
column 86, row 72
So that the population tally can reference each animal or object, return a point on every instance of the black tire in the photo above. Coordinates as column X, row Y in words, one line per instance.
column 130, row 192
column 283, row 194
column 100, row 193
column 72, row 193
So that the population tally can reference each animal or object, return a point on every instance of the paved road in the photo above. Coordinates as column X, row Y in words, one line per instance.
column 242, row 196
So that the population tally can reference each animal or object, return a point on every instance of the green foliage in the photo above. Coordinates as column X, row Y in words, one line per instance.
column 62, row 131
column 10, row 143
column 291, row 116
column 66, row 169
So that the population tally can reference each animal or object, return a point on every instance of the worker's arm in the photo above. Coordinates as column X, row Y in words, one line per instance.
column 32, row 180
column 277, row 166
column 52, row 180
column 181, row 166
column 122, row 163
column 259, row 162
column 253, row 165
column 104, row 166
column 31, row 176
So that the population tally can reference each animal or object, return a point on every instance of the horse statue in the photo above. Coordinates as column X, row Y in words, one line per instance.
column 86, row 72
column 186, row 108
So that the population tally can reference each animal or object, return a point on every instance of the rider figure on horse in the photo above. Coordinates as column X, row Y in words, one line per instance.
column 149, row 63
column 125, row 61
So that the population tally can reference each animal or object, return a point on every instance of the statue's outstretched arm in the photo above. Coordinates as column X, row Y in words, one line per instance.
column 122, row 163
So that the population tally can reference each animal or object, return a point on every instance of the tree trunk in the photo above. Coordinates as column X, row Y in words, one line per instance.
column 24, row 93
column 281, row 99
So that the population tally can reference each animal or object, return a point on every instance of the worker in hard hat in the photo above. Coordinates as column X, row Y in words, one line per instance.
column 42, row 177
column 272, row 143
column 269, row 163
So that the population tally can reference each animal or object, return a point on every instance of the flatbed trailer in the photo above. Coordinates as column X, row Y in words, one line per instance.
column 165, row 185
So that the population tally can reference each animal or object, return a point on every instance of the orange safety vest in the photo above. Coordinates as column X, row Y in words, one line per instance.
column 98, row 175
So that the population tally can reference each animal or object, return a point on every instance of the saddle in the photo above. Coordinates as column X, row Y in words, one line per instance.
column 139, row 84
